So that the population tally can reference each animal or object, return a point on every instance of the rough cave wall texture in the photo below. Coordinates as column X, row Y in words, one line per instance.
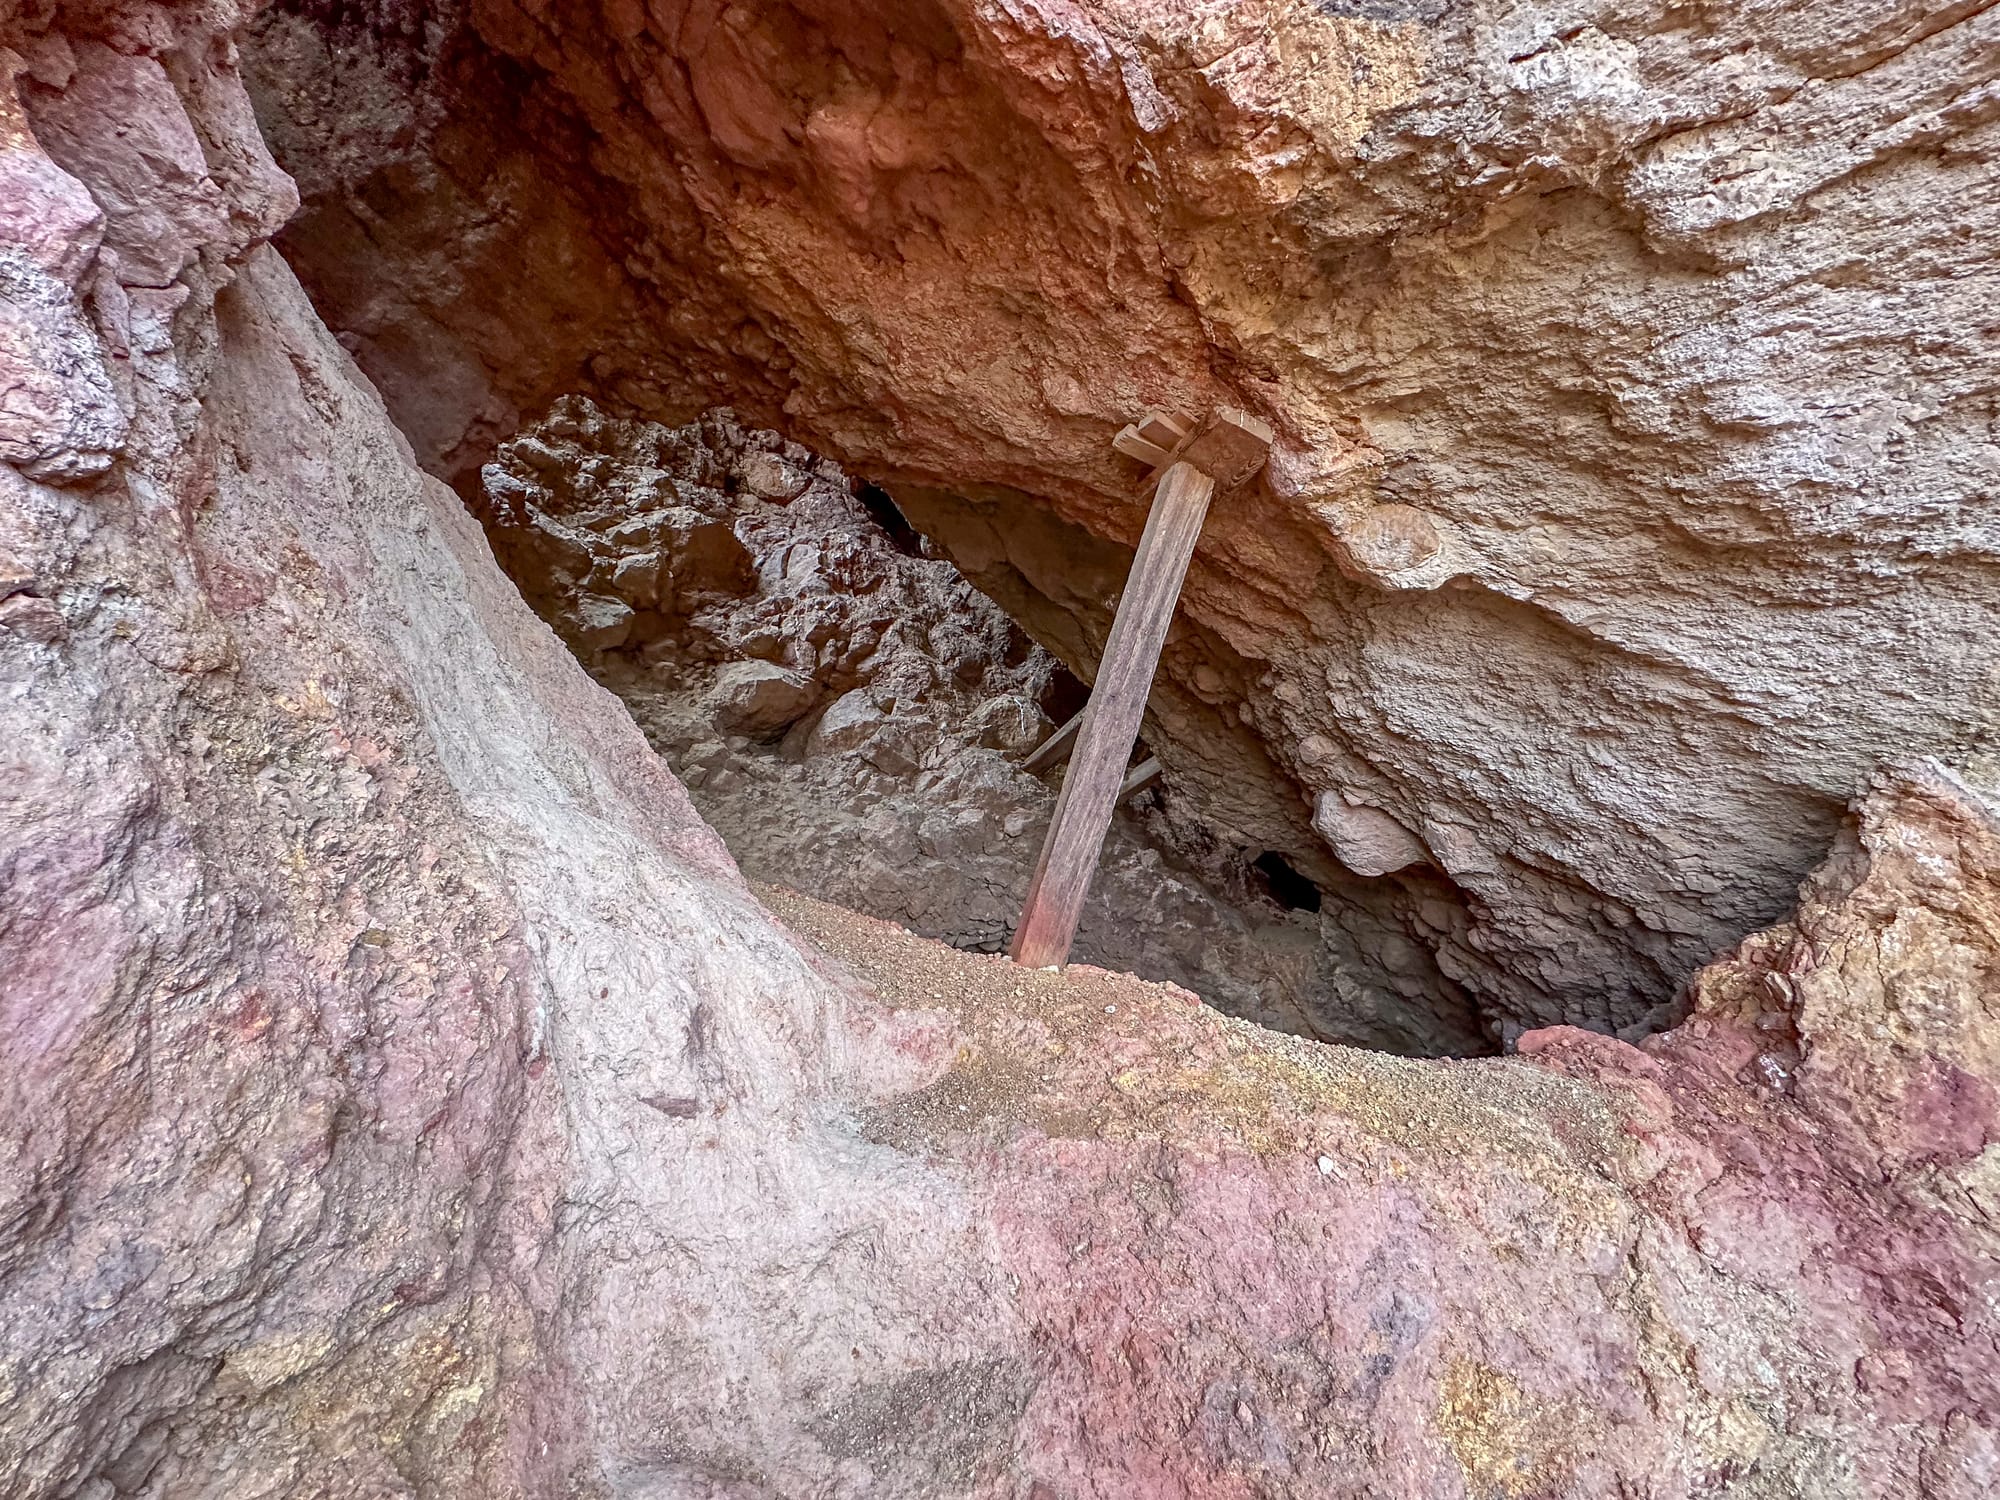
column 334, row 899
column 1632, row 363
column 853, row 720
column 403, row 1095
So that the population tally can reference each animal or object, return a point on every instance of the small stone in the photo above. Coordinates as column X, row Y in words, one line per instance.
column 759, row 699
column 15, row 575
column 769, row 477
column 33, row 618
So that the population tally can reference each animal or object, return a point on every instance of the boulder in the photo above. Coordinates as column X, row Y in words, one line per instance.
column 901, row 745
column 1365, row 839
column 1009, row 722
column 704, row 556
column 769, row 477
column 759, row 698
column 636, row 579
column 598, row 623
column 851, row 720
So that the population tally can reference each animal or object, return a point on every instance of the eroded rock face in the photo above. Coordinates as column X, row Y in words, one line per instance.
column 1629, row 363
column 852, row 717
column 329, row 880
column 405, row 1095
column 1800, row 1179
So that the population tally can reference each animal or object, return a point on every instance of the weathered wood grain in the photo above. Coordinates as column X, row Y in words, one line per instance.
column 1230, row 449
column 1134, row 444
column 1111, row 719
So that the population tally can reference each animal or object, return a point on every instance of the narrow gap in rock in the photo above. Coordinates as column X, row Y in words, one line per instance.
column 902, row 535
column 852, row 716
column 1063, row 696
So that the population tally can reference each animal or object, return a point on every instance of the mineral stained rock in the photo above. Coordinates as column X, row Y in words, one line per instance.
column 405, row 1096
column 1631, row 364
column 851, row 716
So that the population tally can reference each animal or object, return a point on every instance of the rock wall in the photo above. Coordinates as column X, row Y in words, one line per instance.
column 852, row 717
column 388, row 1045
column 1630, row 365
column 405, row 1096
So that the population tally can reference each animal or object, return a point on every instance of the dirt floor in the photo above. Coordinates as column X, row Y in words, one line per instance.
column 1082, row 1053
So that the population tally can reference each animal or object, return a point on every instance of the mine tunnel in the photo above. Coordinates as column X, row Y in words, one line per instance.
column 1466, row 890
column 862, row 722
column 564, row 565
column 1512, row 817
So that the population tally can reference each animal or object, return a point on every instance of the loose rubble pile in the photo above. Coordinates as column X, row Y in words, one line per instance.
column 851, row 715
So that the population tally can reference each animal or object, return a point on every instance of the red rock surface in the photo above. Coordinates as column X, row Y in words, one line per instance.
column 1630, row 365
column 405, row 1096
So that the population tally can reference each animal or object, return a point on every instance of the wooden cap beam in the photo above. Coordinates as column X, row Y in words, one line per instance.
column 1230, row 449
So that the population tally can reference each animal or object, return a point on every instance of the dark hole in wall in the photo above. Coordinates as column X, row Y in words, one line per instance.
column 902, row 535
column 1283, row 884
column 1064, row 697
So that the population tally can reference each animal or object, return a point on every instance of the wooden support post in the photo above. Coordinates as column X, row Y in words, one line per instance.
column 1056, row 749
column 1141, row 776
column 1111, row 719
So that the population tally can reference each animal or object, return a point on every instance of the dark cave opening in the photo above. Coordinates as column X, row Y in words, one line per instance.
column 1064, row 695
column 886, row 514
column 858, row 720
column 1284, row 884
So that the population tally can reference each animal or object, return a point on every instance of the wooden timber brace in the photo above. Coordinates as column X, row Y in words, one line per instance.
column 1189, row 469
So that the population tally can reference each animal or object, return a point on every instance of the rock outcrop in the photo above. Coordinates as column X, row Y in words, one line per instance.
column 852, row 717
column 405, row 1095
column 1630, row 364
column 1757, row 1257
